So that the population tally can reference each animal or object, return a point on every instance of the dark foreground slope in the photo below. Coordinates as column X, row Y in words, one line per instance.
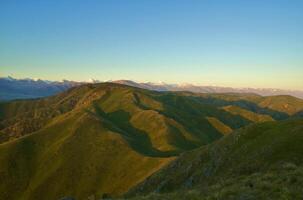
column 262, row 161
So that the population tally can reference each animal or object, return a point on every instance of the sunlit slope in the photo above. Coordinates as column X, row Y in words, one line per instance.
column 257, row 161
column 275, row 106
column 98, row 139
column 172, row 121
column 21, row 117
column 283, row 103
column 254, row 117
column 221, row 127
column 76, row 156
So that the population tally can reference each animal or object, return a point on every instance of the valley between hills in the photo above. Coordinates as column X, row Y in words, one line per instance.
column 109, row 140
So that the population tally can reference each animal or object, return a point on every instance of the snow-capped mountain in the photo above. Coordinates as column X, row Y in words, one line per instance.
column 12, row 88
column 212, row 89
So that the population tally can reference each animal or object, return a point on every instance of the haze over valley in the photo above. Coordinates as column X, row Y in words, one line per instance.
column 13, row 88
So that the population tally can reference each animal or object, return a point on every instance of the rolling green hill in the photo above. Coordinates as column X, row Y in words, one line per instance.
column 275, row 106
column 261, row 161
column 76, row 156
column 103, row 139
column 254, row 117
column 97, row 139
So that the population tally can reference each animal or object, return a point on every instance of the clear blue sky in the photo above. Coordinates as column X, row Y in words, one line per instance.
column 257, row 43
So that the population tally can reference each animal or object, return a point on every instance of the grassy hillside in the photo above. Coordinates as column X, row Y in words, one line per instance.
column 173, row 121
column 103, row 139
column 221, row 127
column 254, row 117
column 77, row 156
column 262, row 161
column 283, row 103
column 21, row 117
column 98, row 139
column 275, row 106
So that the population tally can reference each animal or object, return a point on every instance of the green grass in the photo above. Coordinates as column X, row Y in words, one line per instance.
column 77, row 157
column 283, row 103
column 221, row 127
column 254, row 117
column 272, row 105
column 278, row 184
column 251, row 154
column 106, row 138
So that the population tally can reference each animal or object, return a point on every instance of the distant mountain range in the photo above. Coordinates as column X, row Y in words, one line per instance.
column 211, row 89
column 12, row 88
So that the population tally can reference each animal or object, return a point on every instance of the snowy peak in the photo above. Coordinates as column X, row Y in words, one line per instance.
column 12, row 88
column 161, row 86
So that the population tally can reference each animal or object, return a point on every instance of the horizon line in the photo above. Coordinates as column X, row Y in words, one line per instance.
column 92, row 80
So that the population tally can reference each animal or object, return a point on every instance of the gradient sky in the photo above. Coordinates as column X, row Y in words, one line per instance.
column 257, row 43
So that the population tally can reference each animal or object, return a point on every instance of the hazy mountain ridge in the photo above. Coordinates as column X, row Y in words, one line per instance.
column 211, row 89
column 27, row 88
column 11, row 88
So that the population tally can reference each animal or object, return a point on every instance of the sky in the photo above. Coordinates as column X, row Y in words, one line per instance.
column 233, row 43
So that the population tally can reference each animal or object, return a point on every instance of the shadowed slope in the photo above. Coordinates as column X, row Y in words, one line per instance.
column 238, row 162
column 254, row 117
